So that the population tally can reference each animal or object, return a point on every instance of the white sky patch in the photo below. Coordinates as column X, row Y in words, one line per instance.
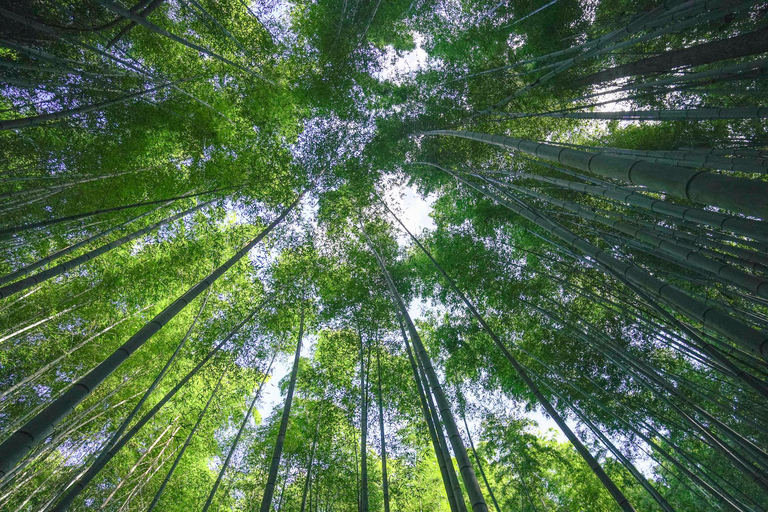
column 412, row 209
column 395, row 67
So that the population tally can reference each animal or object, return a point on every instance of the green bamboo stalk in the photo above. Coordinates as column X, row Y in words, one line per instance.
column 161, row 31
column 737, row 194
column 439, row 454
column 685, row 159
column 38, row 428
column 743, row 335
column 269, row 490
column 26, row 122
column 45, row 275
column 690, row 257
column 593, row 464
column 192, row 432
column 49, row 222
column 693, row 114
column 76, row 488
column 684, row 216
column 72, row 248
column 239, row 434
column 433, row 410
column 465, row 465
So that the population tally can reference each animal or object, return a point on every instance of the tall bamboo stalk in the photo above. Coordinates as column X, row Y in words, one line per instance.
column 269, row 489
column 737, row 194
column 465, row 466
column 593, row 464
column 441, row 462
column 38, row 428
column 236, row 441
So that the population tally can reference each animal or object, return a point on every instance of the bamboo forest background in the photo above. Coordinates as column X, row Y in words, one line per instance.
column 199, row 204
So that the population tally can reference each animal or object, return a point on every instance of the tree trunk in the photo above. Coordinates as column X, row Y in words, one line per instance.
column 269, row 490
column 37, row 429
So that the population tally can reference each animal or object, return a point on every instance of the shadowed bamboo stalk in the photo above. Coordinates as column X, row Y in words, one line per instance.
column 598, row 48
column 78, row 486
column 682, row 215
column 686, row 158
column 269, row 489
column 694, row 114
column 465, row 465
column 161, row 31
column 754, row 260
column 38, row 428
column 742, row 45
column 675, row 14
column 734, row 329
column 737, row 194
column 593, row 464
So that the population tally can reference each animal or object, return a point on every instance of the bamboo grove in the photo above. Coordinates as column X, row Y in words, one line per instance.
column 213, row 295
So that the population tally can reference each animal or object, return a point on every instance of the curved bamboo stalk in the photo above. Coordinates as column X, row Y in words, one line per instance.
column 737, row 331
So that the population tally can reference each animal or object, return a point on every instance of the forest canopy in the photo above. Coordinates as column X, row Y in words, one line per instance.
column 420, row 255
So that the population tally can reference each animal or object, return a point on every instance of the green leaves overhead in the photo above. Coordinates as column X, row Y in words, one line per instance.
column 589, row 176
